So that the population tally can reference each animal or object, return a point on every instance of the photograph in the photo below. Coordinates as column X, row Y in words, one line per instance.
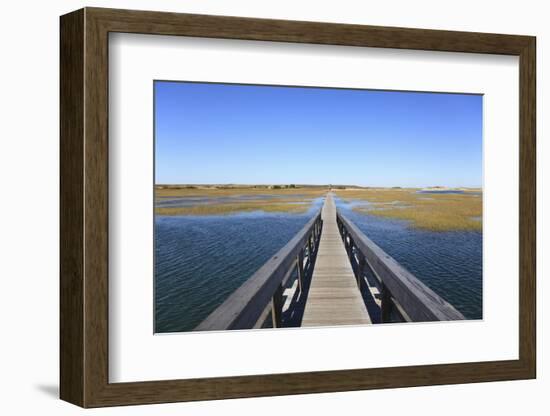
column 300, row 206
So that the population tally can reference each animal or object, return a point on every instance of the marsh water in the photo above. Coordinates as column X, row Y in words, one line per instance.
column 448, row 262
column 201, row 260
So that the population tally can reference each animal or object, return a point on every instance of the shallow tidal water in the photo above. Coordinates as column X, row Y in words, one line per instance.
column 201, row 260
column 449, row 262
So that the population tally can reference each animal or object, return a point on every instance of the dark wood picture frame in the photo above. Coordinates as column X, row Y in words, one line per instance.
column 84, row 207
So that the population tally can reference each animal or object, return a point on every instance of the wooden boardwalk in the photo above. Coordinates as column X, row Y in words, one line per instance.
column 333, row 298
column 325, row 290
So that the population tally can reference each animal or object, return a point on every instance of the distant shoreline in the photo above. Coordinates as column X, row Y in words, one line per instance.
column 297, row 186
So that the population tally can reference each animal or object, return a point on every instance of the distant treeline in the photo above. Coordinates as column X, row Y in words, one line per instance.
column 233, row 186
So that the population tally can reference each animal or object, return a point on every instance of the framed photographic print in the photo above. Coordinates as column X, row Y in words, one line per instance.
column 255, row 207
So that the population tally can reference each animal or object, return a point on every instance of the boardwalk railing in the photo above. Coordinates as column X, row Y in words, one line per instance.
column 250, row 305
column 403, row 296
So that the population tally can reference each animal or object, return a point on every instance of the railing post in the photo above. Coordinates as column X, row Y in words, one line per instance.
column 360, row 270
column 277, row 307
column 315, row 233
column 386, row 304
column 318, row 230
column 300, row 269
column 350, row 247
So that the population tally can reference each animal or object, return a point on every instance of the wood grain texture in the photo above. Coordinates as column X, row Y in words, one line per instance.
column 84, row 206
column 527, row 209
column 71, row 186
column 225, row 27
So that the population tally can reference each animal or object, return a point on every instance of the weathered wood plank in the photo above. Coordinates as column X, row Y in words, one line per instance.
column 333, row 297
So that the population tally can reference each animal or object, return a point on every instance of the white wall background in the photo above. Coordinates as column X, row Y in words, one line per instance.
column 29, row 210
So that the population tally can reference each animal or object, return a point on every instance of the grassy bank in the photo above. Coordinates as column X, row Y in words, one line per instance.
column 428, row 211
column 222, row 209
column 173, row 191
column 291, row 200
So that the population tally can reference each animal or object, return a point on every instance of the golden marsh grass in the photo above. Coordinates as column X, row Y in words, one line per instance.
column 293, row 200
column 311, row 192
column 428, row 211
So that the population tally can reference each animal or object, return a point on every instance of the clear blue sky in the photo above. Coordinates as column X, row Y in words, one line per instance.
column 223, row 133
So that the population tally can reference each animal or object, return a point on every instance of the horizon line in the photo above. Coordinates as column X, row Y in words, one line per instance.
column 312, row 184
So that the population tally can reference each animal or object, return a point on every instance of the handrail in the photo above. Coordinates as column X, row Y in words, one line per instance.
column 400, row 288
column 245, row 307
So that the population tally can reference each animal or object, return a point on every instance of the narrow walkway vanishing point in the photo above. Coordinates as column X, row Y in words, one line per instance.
column 333, row 298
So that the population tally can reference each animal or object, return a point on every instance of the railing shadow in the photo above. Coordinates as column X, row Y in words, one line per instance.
column 369, row 289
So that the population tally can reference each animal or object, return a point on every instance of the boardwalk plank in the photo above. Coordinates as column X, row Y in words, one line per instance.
column 333, row 297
